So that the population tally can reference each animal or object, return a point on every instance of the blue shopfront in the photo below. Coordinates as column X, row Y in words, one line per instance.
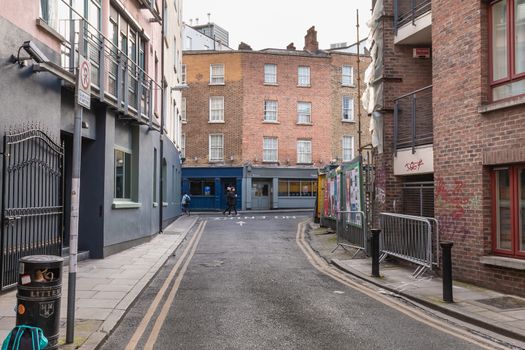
column 207, row 186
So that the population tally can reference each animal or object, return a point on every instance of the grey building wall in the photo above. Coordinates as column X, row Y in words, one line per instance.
column 26, row 97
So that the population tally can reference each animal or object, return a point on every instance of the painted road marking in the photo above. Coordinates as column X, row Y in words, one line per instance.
column 240, row 223
column 132, row 344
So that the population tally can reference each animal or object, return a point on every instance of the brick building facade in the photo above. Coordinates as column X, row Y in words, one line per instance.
column 282, row 114
column 471, row 86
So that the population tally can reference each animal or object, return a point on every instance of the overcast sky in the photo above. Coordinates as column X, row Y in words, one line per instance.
column 276, row 23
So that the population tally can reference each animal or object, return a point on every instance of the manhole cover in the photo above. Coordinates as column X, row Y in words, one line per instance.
column 504, row 302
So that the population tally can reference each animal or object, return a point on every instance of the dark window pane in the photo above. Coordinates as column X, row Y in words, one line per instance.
column 503, row 214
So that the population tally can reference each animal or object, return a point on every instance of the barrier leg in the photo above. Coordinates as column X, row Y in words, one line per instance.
column 446, row 249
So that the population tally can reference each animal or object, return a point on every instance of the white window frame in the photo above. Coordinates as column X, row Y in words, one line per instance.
column 219, row 148
column 303, row 76
column 347, row 110
column 268, row 112
column 217, row 74
column 183, row 109
column 347, row 78
column 347, row 146
column 270, row 77
column 127, row 166
column 216, row 112
column 270, row 149
column 304, row 114
column 304, row 151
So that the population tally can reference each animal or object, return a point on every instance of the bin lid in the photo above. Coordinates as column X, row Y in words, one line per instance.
column 41, row 259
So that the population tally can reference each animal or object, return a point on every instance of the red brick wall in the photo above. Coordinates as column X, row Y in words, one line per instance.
column 287, row 93
column 197, row 128
column 340, row 128
column 462, row 135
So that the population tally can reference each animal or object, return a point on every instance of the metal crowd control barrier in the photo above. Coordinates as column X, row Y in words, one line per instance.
column 351, row 230
column 407, row 237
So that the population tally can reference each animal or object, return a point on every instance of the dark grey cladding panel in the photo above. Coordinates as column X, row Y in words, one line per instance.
column 285, row 173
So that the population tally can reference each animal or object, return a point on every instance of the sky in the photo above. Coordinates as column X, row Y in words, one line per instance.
column 276, row 23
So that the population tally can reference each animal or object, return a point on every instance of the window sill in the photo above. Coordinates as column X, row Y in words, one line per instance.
column 47, row 28
column 164, row 204
column 501, row 261
column 348, row 85
column 270, row 122
column 348, row 121
column 184, row 122
column 310, row 124
column 271, row 84
column 270, row 162
column 215, row 161
column 216, row 122
column 123, row 204
column 305, row 163
column 304, row 86
column 494, row 106
column 219, row 84
column 155, row 204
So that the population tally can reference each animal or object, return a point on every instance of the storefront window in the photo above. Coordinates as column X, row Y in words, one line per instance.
column 202, row 188
column 297, row 188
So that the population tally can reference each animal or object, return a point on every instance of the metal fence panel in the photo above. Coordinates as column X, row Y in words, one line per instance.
column 351, row 230
column 409, row 238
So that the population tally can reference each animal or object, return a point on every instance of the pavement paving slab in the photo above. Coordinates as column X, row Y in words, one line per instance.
column 106, row 287
column 427, row 290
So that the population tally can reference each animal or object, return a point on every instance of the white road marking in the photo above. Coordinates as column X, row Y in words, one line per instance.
column 240, row 223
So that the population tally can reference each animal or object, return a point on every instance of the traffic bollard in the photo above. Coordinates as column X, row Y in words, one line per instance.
column 375, row 252
column 446, row 249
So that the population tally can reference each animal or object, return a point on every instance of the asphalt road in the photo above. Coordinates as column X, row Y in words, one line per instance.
column 248, row 285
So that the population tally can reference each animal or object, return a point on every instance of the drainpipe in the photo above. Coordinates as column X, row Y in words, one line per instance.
column 162, row 118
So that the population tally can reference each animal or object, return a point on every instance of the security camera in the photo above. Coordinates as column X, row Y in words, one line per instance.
column 36, row 54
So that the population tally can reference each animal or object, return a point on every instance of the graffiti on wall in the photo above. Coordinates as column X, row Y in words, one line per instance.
column 454, row 201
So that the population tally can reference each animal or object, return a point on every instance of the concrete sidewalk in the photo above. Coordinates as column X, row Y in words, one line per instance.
column 106, row 288
column 497, row 312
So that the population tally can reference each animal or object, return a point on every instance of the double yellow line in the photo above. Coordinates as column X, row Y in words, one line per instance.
column 152, row 339
column 322, row 266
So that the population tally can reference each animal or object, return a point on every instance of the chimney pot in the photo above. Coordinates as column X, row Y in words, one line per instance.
column 310, row 40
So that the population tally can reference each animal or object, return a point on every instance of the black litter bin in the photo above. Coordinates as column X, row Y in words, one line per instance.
column 39, row 293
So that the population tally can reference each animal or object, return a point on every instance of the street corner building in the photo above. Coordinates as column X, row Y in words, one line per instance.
column 130, row 170
column 268, row 119
column 446, row 93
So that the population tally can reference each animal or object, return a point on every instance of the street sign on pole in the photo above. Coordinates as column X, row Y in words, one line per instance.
column 84, row 82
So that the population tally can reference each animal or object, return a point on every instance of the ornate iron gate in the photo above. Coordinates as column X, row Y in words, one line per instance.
column 32, row 206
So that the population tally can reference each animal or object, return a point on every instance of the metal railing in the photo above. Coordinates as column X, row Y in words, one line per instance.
column 351, row 230
column 117, row 79
column 413, row 124
column 406, row 11
column 409, row 238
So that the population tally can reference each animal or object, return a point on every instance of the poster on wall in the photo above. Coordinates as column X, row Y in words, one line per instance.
column 353, row 191
column 326, row 201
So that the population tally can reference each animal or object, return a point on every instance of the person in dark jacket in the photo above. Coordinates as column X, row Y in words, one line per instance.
column 231, row 198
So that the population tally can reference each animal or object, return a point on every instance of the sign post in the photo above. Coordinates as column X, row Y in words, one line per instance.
column 82, row 99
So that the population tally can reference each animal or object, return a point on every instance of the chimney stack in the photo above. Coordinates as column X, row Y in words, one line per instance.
column 196, row 21
column 310, row 40
column 244, row 46
column 290, row 47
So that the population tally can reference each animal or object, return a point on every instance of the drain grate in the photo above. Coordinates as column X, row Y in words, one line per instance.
column 504, row 302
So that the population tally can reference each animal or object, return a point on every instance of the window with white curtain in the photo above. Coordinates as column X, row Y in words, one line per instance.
column 304, row 113
column 348, row 148
column 216, row 109
column 303, row 76
column 216, row 149
column 304, row 151
column 348, row 108
column 270, row 74
column 347, row 76
column 270, row 149
column 216, row 74
column 270, row 111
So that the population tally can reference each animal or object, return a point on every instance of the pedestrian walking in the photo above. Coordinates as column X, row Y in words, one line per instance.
column 231, row 198
column 185, row 202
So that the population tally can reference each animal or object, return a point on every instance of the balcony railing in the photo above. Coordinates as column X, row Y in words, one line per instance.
column 116, row 78
column 406, row 11
column 413, row 125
